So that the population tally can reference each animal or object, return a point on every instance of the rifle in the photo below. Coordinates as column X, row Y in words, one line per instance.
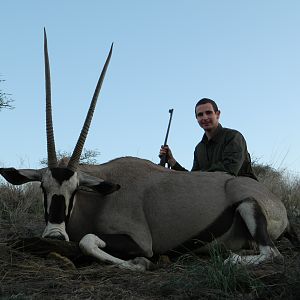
column 163, row 158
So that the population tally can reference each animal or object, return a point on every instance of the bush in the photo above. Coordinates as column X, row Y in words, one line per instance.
column 282, row 184
column 21, row 210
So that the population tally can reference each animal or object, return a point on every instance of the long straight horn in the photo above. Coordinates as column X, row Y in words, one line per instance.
column 74, row 160
column 52, row 159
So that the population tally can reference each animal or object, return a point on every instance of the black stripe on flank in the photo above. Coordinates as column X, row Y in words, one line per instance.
column 121, row 246
column 216, row 229
column 61, row 174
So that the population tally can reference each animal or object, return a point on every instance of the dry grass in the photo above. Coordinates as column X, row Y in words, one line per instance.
column 282, row 184
column 27, row 276
column 21, row 211
column 24, row 276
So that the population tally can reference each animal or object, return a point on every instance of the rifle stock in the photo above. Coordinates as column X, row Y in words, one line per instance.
column 163, row 160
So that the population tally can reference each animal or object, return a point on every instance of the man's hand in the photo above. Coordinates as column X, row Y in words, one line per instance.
column 165, row 150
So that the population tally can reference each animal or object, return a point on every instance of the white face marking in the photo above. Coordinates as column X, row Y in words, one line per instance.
column 62, row 189
column 53, row 187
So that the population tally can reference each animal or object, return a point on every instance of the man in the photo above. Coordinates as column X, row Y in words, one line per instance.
column 221, row 149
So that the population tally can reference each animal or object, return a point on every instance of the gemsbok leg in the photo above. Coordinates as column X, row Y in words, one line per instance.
column 91, row 245
column 256, row 222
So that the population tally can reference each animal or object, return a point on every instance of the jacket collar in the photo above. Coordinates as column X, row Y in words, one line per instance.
column 216, row 137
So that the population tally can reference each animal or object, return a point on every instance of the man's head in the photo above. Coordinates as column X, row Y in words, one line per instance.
column 207, row 114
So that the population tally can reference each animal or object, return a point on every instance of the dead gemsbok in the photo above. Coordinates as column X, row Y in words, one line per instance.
column 137, row 209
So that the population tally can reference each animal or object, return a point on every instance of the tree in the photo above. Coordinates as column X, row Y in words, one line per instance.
column 87, row 157
column 5, row 100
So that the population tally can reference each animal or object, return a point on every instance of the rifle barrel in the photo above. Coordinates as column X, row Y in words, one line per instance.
column 163, row 159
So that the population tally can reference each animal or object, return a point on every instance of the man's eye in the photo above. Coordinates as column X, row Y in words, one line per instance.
column 199, row 114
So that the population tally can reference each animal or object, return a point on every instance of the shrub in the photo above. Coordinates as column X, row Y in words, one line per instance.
column 283, row 184
column 21, row 210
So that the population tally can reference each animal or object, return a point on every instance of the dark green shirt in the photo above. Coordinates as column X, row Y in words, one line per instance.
column 226, row 151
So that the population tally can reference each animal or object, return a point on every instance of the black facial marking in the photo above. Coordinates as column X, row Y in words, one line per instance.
column 61, row 174
column 45, row 204
column 57, row 209
column 70, row 205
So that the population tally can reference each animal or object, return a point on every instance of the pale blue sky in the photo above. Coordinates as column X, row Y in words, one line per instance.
column 167, row 54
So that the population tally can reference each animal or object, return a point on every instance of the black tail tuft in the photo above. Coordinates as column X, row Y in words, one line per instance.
column 292, row 236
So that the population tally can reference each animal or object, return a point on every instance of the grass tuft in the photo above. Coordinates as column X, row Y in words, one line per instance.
column 197, row 278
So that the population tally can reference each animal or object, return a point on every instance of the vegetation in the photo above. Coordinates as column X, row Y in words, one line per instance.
column 5, row 100
column 26, row 276
column 283, row 184
column 87, row 157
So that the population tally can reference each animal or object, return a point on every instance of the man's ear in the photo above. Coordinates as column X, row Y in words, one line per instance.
column 99, row 185
column 218, row 113
column 20, row 176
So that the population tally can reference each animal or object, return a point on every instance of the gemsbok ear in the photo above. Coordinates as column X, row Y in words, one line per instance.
column 20, row 176
column 99, row 185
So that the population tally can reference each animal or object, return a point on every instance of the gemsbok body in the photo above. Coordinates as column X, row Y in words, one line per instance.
column 127, row 210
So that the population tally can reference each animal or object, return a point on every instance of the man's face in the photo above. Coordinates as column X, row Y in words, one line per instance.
column 207, row 118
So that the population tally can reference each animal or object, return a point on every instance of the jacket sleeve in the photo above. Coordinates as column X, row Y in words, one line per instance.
column 233, row 155
column 178, row 167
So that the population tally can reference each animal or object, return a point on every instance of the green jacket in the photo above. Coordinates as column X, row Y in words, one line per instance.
column 226, row 151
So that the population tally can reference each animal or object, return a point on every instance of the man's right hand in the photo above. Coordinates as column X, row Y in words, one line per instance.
column 165, row 150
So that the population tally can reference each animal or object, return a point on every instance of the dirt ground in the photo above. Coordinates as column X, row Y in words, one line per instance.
column 49, row 276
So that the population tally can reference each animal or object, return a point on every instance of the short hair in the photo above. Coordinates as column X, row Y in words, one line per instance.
column 207, row 100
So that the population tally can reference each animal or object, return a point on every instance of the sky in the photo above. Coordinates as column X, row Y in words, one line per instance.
column 167, row 54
